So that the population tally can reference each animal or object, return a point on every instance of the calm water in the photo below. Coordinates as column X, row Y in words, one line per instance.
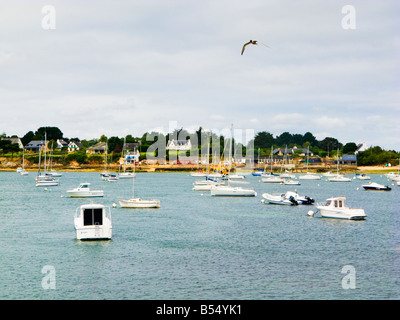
column 197, row 246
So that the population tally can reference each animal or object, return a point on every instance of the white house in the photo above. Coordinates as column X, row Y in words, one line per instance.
column 74, row 146
column 61, row 144
column 179, row 145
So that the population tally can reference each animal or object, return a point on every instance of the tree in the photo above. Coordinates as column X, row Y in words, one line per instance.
column 349, row 148
column 51, row 133
column 329, row 144
column 28, row 137
column 263, row 140
column 284, row 139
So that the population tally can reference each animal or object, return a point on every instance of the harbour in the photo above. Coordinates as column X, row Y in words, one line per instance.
column 196, row 246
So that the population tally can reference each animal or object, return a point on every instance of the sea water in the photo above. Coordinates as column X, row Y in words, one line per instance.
column 197, row 246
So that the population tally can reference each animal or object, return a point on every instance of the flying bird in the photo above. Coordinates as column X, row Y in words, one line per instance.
column 252, row 42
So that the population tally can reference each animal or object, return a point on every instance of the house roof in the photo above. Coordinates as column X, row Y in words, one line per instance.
column 99, row 145
column 349, row 157
column 35, row 144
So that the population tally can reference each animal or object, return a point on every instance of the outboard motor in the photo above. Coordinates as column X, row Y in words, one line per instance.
column 309, row 200
column 293, row 200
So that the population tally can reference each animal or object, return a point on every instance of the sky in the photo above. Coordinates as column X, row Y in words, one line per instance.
column 130, row 67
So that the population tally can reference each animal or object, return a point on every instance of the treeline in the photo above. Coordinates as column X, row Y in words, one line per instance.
column 262, row 143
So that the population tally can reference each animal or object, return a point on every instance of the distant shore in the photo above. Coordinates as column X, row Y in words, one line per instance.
column 189, row 168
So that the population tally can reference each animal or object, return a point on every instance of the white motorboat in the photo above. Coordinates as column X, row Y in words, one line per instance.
column 93, row 222
column 335, row 208
column 288, row 198
column 376, row 186
column 339, row 178
column 19, row 170
column 84, row 191
column 279, row 199
column 398, row 183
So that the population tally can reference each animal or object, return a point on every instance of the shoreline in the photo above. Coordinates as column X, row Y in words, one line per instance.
column 193, row 168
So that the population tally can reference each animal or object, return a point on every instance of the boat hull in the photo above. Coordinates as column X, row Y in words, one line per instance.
column 139, row 203
column 349, row 214
column 232, row 192
column 85, row 194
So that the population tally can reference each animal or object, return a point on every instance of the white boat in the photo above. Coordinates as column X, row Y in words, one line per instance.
column 44, row 179
column 398, row 183
column 47, row 182
column 288, row 198
column 329, row 174
column 232, row 191
column 205, row 185
column 291, row 182
column 228, row 190
column 112, row 177
column 198, row 174
column 336, row 208
column 339, row 178
column 271, row 178
column 84, row 191
column 138, row 202
column 19, row 170
column 376, row 186
column 126, row 175
column 363, row 176
column 309, row 175
column 93, row 222
column 54, row 173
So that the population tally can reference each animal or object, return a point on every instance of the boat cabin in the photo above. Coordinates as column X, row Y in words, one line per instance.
column 93, row 222
column 335, row 202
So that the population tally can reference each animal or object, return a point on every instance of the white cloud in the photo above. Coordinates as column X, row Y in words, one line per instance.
column 126, row 67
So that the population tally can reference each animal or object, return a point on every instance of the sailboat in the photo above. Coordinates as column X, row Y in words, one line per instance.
column 53, row 172
column 23, row 172
column 270, row 177
column 45, row 180
column 125, row 174
column 338, row 177
column 228, row 190
column 138, row 202
column 309, row 175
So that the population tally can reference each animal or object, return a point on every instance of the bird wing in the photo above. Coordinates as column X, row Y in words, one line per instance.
column 244, row 46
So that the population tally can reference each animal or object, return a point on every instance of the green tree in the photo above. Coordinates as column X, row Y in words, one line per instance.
column 349, row 148
column 263, row 140
column 28, row 137
column 51, row 133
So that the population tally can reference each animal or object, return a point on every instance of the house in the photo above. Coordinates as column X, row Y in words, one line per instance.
column 349, row 159
column 179, row 145
column 100, row 148
column 291, row 151
column 74, row 146
column 134, row 146
column 35, row 145
column 15, row 140
column 61, row 144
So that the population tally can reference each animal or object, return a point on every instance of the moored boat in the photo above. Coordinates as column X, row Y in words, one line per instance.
column 376, row 186
column 336, row 208
column 84, row 191
column 93, row 222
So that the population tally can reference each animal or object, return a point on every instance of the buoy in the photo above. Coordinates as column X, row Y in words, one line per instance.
column 114, row 205
column 310, row 213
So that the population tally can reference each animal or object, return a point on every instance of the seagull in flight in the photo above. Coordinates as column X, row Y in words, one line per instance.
column 251, row 42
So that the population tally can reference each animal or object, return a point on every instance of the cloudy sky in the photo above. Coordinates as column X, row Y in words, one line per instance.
column 128, row 67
